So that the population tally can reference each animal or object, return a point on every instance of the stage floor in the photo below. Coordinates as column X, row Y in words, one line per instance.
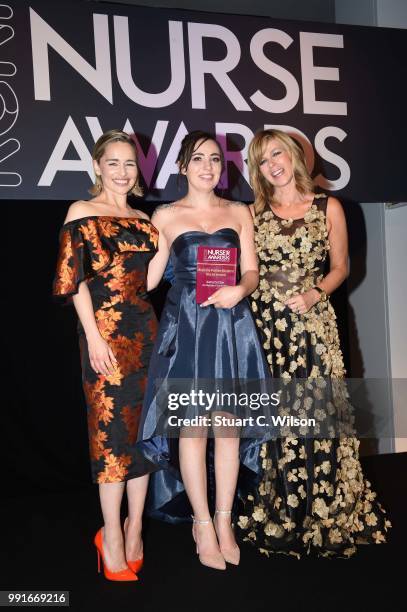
column 47, row 544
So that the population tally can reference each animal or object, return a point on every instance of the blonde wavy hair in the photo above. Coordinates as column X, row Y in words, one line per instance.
column 98, row 151
column 262, row 189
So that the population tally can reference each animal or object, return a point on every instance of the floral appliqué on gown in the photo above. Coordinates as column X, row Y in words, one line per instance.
column 312, row 495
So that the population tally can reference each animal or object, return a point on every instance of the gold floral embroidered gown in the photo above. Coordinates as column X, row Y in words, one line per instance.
column 111, row 254
column 312, row 495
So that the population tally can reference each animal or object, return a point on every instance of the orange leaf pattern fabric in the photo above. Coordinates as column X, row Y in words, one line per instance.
column 111, row 255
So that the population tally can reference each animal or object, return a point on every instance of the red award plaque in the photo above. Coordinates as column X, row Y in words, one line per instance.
column 216, row 268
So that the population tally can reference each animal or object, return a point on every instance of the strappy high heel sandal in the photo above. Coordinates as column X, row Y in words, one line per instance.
column 214, row 560
column 231, row 555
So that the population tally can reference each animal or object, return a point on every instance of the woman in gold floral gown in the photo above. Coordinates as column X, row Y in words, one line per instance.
column 105, row 247
column 312, row 495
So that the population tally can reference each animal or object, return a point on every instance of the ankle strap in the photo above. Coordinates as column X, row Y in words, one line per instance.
column 223, row 511
column 199, row 521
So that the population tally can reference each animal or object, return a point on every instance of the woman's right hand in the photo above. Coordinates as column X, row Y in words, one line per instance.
column 101, row 356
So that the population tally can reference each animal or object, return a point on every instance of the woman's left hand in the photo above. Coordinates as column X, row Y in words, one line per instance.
column 225, row 297
column 302, row 302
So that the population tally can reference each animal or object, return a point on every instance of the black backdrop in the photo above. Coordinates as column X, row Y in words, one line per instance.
column 362, row 68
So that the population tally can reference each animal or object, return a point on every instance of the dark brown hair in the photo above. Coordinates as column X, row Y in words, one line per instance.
column 189, row 146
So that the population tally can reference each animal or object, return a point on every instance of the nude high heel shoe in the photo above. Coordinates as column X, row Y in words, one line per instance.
column 231, row 555
column 214, row 560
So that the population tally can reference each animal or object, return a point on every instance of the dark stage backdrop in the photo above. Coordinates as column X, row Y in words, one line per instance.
column 73, row 70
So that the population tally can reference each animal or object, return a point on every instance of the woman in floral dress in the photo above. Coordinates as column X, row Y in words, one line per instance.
column 312, row 495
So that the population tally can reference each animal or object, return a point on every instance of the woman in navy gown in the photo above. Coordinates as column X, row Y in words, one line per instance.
column 212, row 341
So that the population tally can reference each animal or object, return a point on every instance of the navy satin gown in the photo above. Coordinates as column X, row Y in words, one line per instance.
column 197, row 343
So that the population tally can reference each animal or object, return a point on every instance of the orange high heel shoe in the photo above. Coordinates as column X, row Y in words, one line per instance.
column 125, row 575
column 136, row 565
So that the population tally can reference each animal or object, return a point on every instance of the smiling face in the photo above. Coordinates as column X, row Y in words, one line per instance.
column 205, row 166
column 276, row 164
column 117, row 168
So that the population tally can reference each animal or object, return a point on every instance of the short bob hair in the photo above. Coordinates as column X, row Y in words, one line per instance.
column 263, row 190
column 100, row 148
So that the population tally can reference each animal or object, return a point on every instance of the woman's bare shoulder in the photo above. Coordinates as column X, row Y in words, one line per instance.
column 166, row 209
column 79, row 209
column 240, row 209
column 334, row 209
column 236, row 203
column 164, row 213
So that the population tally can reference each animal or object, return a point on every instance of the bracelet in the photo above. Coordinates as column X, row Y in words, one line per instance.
column 322, row 294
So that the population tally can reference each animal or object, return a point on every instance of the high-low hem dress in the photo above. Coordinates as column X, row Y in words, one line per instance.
column 197, row 343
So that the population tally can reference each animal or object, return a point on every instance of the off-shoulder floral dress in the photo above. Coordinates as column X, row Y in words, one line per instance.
column 112, row 254
column 312, row 495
